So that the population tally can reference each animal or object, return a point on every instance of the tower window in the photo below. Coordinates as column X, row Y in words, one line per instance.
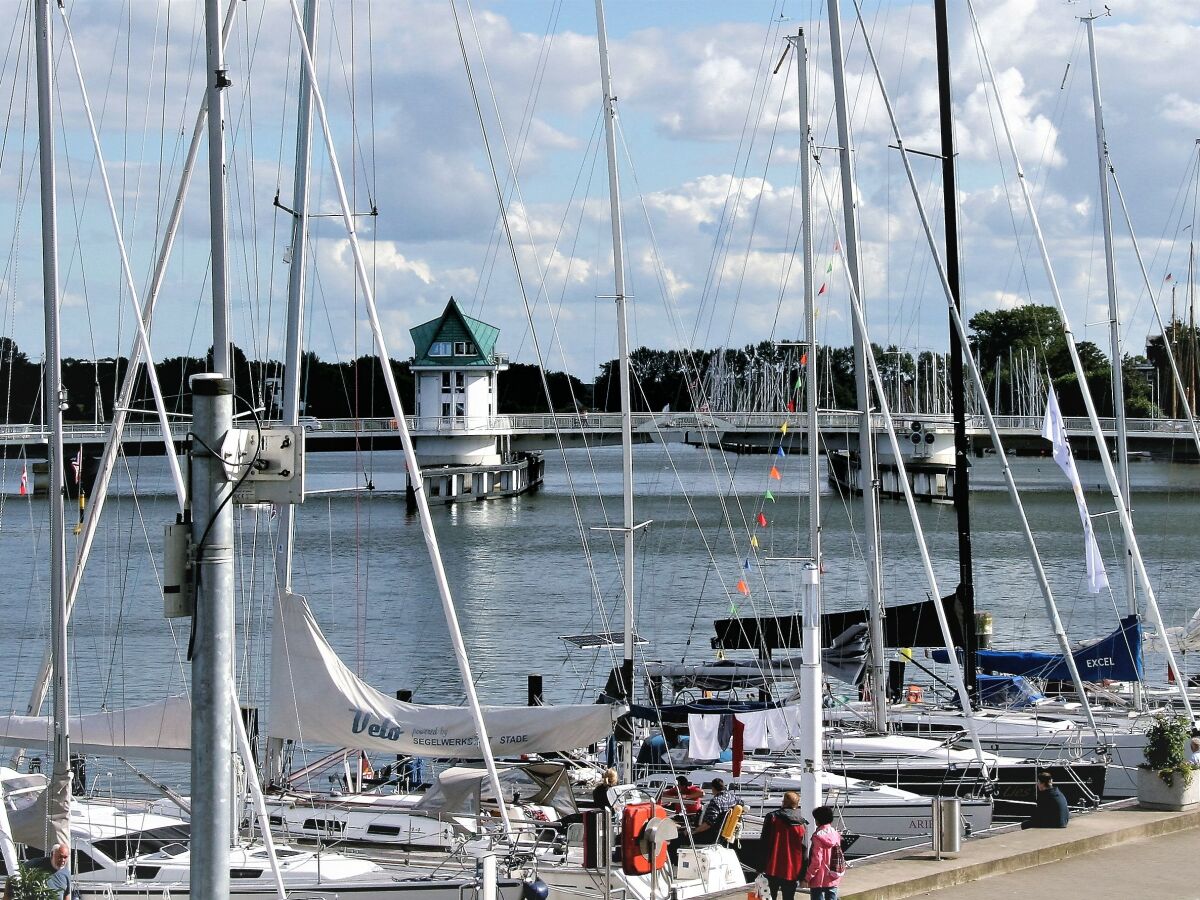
column 464, row 348
column 440, row 348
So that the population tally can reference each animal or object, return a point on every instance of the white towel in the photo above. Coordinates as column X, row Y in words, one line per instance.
column 754, row 734
column 702, row 732
column 783, row 727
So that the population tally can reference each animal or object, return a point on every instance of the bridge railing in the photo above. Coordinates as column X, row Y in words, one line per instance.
column 605, row 422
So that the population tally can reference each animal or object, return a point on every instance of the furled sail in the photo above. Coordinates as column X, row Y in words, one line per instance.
column 159, row 730
column 317, row 699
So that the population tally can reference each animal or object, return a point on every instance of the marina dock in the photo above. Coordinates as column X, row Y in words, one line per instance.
column 1013, row 850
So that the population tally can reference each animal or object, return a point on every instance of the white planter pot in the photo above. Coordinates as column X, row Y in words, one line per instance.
column 1154, row 793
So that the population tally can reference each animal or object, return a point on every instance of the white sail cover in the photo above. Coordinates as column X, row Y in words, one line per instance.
column 316, row 699
column 1183, row 639
column 160, row 730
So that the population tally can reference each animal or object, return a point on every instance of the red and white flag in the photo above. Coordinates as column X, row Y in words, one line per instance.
column 24, row 480
column 77, row 464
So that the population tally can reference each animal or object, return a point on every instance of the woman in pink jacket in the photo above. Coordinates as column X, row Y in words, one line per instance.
column 822, row 880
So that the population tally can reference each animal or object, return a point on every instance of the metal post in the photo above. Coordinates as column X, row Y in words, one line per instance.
column 862, row 347
column 964, row 606
column 53, row 399
column 218, row 80
column 628, row 526
column 1114, row 323
column 212, row 660
column 810, row 669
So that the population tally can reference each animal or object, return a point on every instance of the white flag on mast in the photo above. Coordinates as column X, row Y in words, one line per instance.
column 1055, row 432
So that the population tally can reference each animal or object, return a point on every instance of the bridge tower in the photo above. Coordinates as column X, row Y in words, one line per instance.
column 455, row 368
column 459, row 437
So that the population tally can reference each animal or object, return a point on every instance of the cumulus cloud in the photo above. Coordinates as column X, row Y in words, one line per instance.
column 713, row 135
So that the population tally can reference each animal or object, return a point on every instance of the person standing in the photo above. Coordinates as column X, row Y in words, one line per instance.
column 1194, row 756
column 60, row 873
column 1051, row 810
column 783, row 842
column 821, row 873
column 715, row 812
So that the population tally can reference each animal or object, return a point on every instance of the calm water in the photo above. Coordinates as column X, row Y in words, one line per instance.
column 522, row 579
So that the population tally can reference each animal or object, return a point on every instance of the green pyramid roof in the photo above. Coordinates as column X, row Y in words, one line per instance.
column 453, row 326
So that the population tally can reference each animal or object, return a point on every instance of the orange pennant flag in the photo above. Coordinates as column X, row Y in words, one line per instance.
column 775, row 473
column 743, row 588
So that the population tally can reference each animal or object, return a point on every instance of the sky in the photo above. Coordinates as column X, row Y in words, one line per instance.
column 709, row 141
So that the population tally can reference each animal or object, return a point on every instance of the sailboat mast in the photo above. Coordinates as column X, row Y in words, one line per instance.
column 867, row 471
column 1114, row 323
column 292, row 360
column 810, row 667
column 292, row 352
column 614, row 201
column 59, row 797
column 218, row 80
column 964, row 606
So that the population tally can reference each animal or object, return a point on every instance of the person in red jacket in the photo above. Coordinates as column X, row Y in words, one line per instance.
column 783, row 841
column 822, row 880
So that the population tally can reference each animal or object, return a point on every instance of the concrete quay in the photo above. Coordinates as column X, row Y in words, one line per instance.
column 1015, row 851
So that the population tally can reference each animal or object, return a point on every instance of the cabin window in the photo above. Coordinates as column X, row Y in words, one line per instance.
column 464, row 348
column 83, row 863
column 245, row 873
column 440, row 348
column 384, row 830
column 328, row 825
column 140, row 843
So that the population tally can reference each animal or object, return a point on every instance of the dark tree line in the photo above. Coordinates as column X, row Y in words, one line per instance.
column 1019, row 350
column 1010, row 345
column 354, row 389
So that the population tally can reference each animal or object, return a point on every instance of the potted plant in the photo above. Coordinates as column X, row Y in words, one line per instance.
column 1166, row 780
column 30, row 884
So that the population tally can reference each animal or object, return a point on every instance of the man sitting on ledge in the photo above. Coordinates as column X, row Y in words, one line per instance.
column 1051, row 811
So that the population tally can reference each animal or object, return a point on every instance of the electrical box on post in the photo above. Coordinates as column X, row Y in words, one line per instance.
column 266, row 464
column 177, row 578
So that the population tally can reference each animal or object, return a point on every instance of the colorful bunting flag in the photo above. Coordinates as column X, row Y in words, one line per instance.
column 779, row 451
column 803, row 362
column 769, row 496
column 783, row 428
column 1169, row 277
column 824, row 288
column 775, row 474
column 24, row 480
column 791, row 406
column 762, row 520
column 743, row 588
column 746, row 564
column 754, row 540
column 828, row 268
column 837, row 246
